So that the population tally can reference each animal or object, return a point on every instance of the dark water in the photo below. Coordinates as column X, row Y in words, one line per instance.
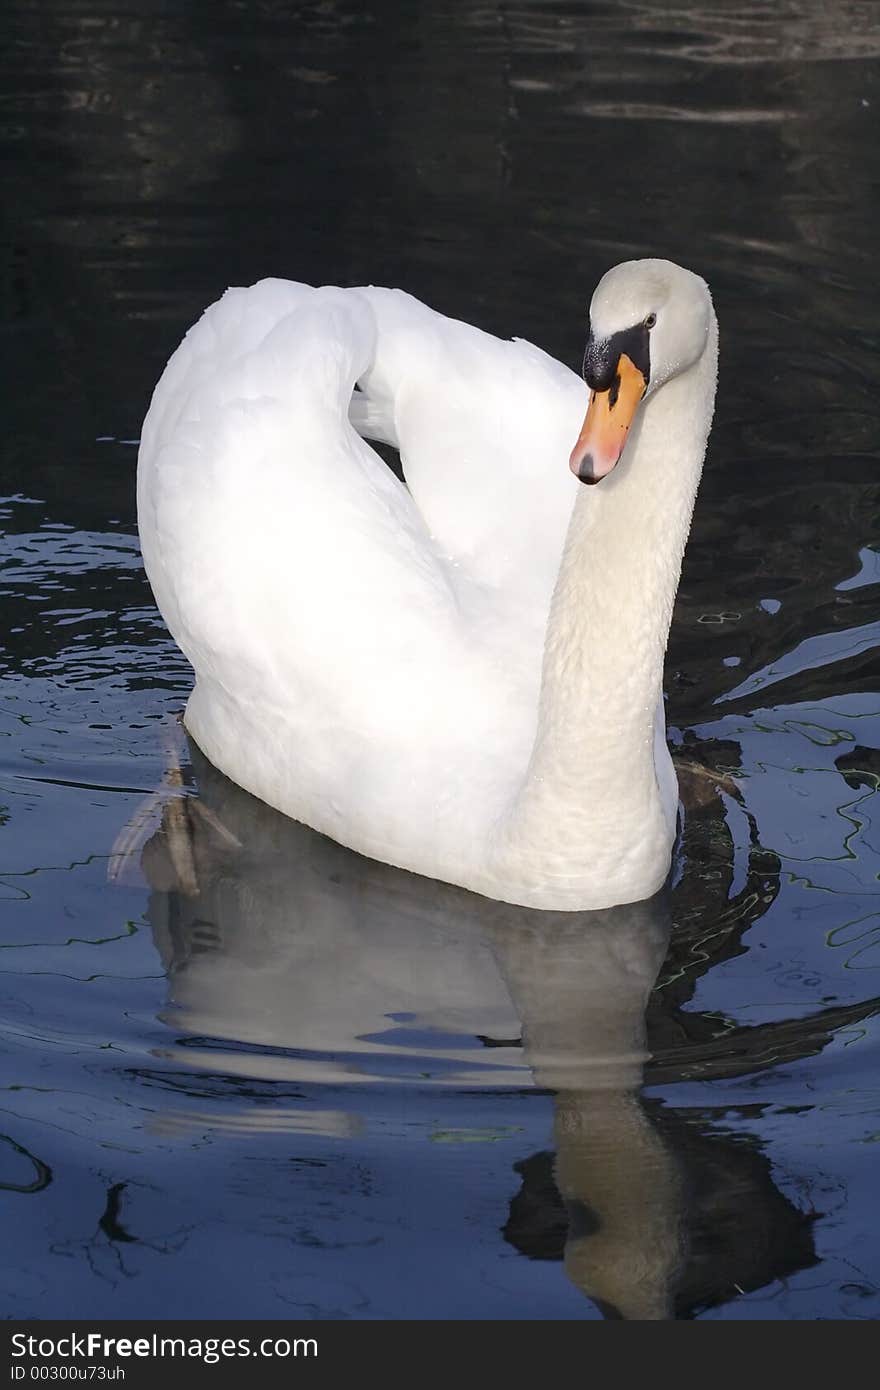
column 258, row 1076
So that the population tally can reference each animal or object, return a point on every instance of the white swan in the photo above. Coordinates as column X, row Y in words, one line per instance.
column 463, row 678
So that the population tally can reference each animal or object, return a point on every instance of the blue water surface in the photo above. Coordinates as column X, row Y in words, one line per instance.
column 247, row 1073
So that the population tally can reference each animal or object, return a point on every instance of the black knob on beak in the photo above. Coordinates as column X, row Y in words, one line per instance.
column 600, row 363
column 602, row 356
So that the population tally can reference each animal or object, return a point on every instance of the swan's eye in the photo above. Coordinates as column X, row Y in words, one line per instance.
column 650, row 320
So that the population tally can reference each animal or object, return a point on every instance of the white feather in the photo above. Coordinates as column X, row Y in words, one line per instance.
column 369, row 656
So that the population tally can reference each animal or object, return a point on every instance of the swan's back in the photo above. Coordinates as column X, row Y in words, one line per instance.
column 365, row 655
column 278, row 544
column 484, row 427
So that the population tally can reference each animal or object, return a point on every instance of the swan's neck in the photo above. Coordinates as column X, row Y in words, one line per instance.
column 591, row 808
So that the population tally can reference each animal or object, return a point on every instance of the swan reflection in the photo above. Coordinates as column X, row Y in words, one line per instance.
column 303, row 962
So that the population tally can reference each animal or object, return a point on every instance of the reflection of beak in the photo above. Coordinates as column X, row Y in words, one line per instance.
column 609, row 416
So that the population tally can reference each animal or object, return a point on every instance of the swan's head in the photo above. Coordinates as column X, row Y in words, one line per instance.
column 649, row 321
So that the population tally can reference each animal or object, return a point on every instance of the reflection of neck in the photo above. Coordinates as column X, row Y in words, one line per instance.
column 621, row 1188
column 580, row 984
column 591, row 794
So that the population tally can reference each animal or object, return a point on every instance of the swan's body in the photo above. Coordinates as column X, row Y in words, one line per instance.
column 464, row 678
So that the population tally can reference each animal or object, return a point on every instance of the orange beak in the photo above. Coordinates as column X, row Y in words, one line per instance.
column 606, row 425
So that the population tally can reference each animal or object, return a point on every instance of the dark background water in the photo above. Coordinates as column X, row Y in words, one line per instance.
column 270, row 1079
